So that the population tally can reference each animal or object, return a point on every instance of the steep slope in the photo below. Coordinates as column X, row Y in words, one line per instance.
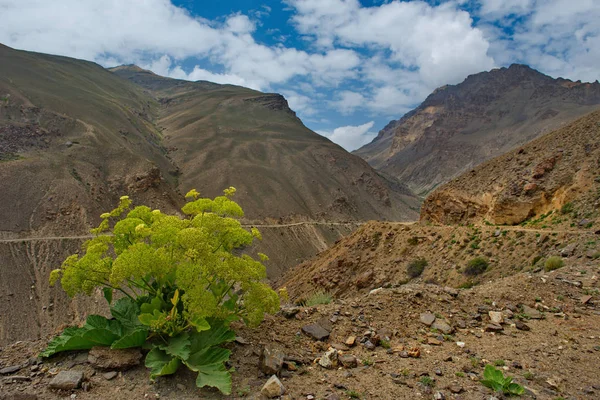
column 557, row 174
column 224, row 135
column 460, row 126
column 73, row 138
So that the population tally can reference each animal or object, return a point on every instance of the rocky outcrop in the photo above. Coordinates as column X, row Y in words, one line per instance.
column 543, row 176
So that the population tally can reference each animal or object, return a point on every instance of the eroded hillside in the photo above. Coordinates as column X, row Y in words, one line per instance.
column 552, row 181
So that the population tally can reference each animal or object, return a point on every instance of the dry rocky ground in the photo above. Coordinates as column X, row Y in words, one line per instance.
column 416, row 340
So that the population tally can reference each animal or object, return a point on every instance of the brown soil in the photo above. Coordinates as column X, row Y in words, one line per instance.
column 553, row 359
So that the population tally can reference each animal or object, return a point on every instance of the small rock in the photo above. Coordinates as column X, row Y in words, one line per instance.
column 316, row 331
column 532, row 313
column 67, row 380
column 241, row 340
column 493, row 328
column 497, row 232
column 584, row 300
column 456, row 389
column 460, row 344
column 403, row 354
column 568, row 251
column 271, row 360
column 273, row 388
column 110, row 375
column 10, row 370
column 105, row 358
column 369, row 345
column 427, row 318
column 351, row 341
column 434, row 342
column 520, row 325
column 439, row 396
column 348, row 360
column 290, row 312
column 329, row 360
column 340, row 346
column 442, row 326
column 438, row 372
column 415, row 352
column 496, row 317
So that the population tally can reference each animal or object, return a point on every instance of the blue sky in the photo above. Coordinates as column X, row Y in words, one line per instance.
column 347, row 67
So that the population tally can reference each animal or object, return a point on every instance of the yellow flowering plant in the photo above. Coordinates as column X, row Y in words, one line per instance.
column 181, row 281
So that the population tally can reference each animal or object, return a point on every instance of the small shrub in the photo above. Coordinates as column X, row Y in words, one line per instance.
column 427, row 381
column 535, row 260
column 353, row 394
column 499, row 363
column 495, row 380
column 416, row 267
column 459, row 374
column 553, row 263
column 319, row 297
column 567, row 208
column 367, row 362
column 413, row 241
column 467, row 285
column 476, row 266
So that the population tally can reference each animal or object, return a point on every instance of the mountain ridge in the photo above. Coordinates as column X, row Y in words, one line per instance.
column 460, row 126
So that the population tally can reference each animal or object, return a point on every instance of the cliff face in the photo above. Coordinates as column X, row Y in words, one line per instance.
column 460, row 126
column 562, row 167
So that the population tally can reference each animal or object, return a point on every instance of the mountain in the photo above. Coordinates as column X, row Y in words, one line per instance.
column 75, row 136
column 552, row 181
column 460, row 126
column 222, row 135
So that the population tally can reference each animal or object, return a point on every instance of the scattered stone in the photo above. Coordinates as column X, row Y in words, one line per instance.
column 438, row 372
column 451, row 291
column 496, row 317
column 273, row 388
column 439, row 396
column 106, row 358
column 442, row 326
column 351, row 341
column 340, row 347
column 10, row 370
column 404, row 354
column 568, row 251
column 110, row 375
column 348, row 360
column 67, row 380
column 415, row 352
column 333, row 396
column 493, row 328
column 520, row 325
column 290, row 312
column 271, row 360
column 369, row 345
column 434, row 342
column 456, row 389
column 329, row 360
column 498, row 232
column 316, row 331
column 241, row 340
column 427, row 318
column 460, row 344
column 531, row 313
column 584, row 300
column 363, row 280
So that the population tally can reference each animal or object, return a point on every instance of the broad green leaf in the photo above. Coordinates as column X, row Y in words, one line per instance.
column 211, row 355
column 492, row 374
column 160, row 363
column 178, row 346
column 70, row 339
column 136, row 338
column 517, row 389
column 149, row 319
column 108, row 294
column 100, row 337
column 126, row 311
column 218, row 334
column 201, row 324
column 99, row 322
column 215, row 375
column 155, row 304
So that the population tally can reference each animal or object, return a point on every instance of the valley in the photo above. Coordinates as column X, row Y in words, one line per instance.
column 467, row 236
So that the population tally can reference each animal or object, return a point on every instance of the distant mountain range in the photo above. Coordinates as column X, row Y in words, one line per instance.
column 460, row 126
column 75, row 136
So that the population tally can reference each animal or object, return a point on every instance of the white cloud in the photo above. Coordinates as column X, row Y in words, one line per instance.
column 300, row 103
column 348, row 102
column 351, row 137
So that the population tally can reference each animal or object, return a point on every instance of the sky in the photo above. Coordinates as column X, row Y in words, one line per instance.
column 347, row 67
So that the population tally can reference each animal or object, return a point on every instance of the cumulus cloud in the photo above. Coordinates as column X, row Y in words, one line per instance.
column 351, row 137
